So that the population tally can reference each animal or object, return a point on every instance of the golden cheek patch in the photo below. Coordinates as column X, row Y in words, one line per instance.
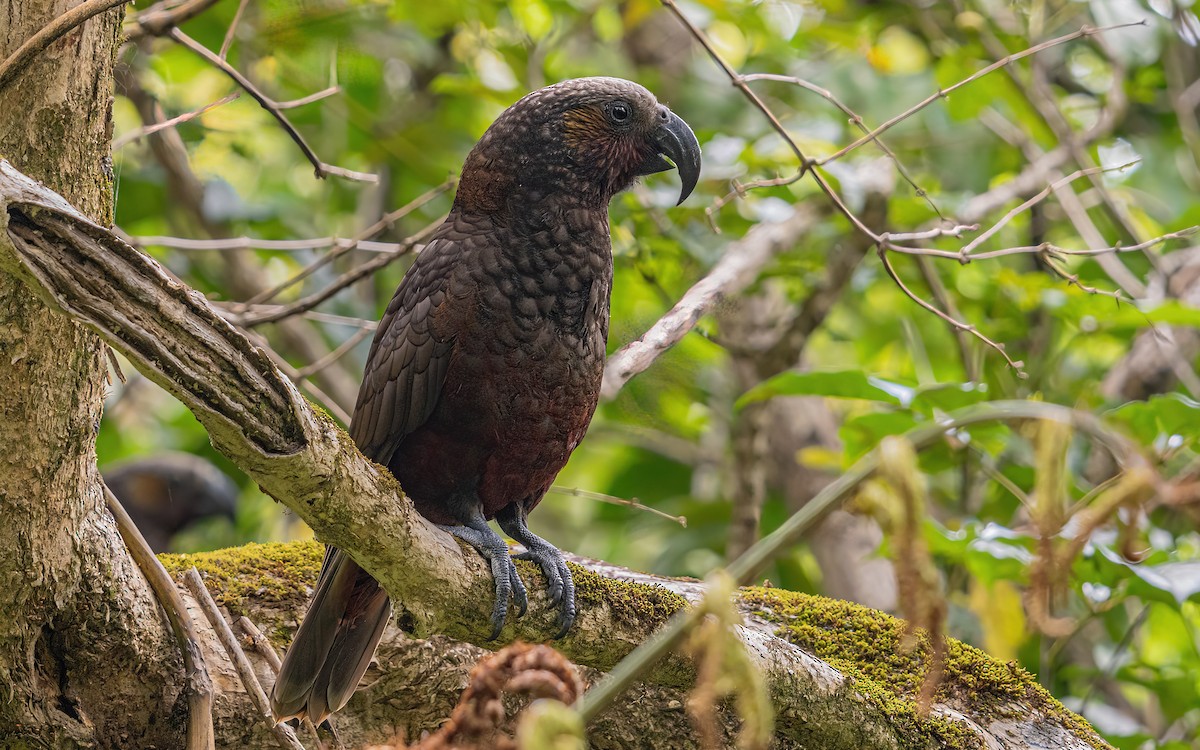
column 585, row 128
column 587, row 133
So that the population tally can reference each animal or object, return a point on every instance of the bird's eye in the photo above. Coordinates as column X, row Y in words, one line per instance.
column 619, row 112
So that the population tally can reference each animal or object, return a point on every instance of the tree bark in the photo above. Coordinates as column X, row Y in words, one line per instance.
column 84, row 657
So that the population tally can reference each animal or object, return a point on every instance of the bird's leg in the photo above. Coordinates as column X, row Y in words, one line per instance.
column 561, row 589
column 476, row 532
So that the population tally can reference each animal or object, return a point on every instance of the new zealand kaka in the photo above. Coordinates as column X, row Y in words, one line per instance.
column 485, row 370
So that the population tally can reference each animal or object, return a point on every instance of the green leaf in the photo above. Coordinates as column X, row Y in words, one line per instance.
column 1172, row 582
column 533, row 16
column 836, row 384
column 1163, row 415
column 949, row 396
column 862, row 433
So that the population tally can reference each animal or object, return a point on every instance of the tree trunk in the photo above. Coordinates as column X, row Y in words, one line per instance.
column 85, row 659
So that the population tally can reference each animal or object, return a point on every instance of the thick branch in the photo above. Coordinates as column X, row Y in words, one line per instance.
column 416, row 681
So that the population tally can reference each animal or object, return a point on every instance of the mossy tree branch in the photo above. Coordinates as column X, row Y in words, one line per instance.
column 305, row 461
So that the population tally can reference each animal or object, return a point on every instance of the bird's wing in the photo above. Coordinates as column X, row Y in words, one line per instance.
column 409, row 356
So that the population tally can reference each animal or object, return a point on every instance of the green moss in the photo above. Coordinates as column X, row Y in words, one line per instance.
column 865, row 645
column 266, row 572
column 632, row 604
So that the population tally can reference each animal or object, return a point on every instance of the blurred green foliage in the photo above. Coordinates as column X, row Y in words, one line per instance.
column 419, row 82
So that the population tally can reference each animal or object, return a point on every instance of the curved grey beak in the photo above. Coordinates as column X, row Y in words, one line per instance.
column 676, row 141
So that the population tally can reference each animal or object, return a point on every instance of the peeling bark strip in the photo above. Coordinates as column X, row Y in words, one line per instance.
column 162, row 325
column 303, row 460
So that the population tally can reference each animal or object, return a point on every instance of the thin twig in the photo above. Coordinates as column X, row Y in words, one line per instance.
column 315, row 97
column 304, row 304
column 333, row 356
column 50, row 33
column 200, row 734
column 146, row 130
column 1031, row 202
column 228, row 40
column 226, row 309
column 386, row 222
column 1038, row 94
column 263, row 646
column 955, row 231
column 324, row 399
column 612, row 500
column 245, row 670
column 1073, row 280
column 1076, row 212
column 254, row 243
column 1017, row 366
column 321, row 168
column 806, row 165
column 856, row 120
column 161, row 17
column 1084, row 31
column 943, row 298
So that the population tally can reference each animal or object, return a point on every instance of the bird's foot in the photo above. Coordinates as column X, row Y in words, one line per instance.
column 560, row 586
column 504, row 572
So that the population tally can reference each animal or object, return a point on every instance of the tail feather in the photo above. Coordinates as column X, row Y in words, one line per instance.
column 334, row 644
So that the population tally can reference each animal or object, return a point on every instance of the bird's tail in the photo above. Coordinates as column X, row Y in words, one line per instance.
column 334, row 644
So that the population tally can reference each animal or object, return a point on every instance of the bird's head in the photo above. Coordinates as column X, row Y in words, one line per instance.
column 579, row 141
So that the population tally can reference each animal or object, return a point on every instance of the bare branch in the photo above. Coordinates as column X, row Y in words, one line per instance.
column 326, row 401
column 942, row 297
column 229, row 32
column 262, row 645
column 1071, row 205
column 952, row 321
column 1031, row 202
column 857, row 121
column 1038, row 93
column 1085, row 31
column 253, row 243
column 245, row 671
column 612, row 500
column 133, row 135
column 12, row 66
column 386, row 222
column 806, row 165
column 225, row 309
column 333, row 356
column 267, row 103
column 161, row 17
column 200, row 734
column 316, row 97
column 304, row 304
column 955, row 231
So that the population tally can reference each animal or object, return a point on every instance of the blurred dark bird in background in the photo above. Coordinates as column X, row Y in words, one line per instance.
column 485, row 370
column 167, row 492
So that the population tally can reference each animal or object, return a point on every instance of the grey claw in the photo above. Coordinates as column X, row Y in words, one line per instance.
column 520, row 596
